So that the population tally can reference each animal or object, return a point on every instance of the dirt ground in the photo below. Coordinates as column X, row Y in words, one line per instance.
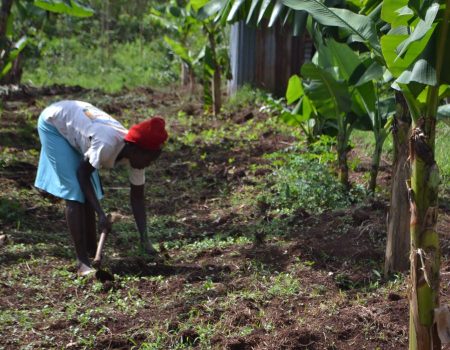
column 316, row 282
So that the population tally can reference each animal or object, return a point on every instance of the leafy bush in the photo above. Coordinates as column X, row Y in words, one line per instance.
column 305, row 181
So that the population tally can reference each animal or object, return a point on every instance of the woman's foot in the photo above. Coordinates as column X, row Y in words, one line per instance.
column 151, row 253
column 84, row 270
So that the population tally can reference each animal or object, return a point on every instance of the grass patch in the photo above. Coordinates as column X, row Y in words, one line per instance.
column 131, row 64
column 247, row 96
column 365, row 140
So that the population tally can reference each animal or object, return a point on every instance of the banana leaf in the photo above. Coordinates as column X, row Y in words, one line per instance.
column 360, row 27
column 331, row 97
column 70, row 7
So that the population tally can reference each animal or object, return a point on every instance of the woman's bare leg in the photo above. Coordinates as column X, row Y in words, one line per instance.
column 76, row 222
column 91, row 230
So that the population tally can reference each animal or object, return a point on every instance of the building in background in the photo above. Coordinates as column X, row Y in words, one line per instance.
column 266, row 57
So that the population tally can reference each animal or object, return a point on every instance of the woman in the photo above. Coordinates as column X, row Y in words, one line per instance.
column 77, row 140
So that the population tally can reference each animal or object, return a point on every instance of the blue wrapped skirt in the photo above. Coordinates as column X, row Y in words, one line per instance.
column 58, row 164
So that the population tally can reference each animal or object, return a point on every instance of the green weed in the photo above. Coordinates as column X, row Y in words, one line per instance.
column 283, row 285
column 216, row 242
column 318, row 290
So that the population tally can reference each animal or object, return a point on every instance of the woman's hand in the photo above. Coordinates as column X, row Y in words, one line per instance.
column 104, row 223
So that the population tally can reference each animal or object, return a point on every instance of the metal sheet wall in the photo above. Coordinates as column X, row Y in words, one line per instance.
column 266, row 57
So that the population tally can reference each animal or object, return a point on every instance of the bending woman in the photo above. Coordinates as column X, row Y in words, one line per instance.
column 77, row 140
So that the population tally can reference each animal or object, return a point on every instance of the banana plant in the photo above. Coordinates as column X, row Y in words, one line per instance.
column 365, row 106
column 211, row 59
column 325, row 93
column 304, row 114
column 372, row 102
column 254, row 12
column 10, row 54
column 381, row 121
column 182, row 27
column 69, row 7
column 216, row 59
column 416, row 50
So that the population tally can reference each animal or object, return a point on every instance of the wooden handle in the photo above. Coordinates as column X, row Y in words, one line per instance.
column 98, row 254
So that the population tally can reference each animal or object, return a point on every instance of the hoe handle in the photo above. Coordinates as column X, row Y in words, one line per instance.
column 98, row 255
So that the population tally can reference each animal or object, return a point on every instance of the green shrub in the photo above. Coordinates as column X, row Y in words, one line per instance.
column 306, row 181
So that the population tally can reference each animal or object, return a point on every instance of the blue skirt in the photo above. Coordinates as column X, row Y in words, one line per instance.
column 58, row 164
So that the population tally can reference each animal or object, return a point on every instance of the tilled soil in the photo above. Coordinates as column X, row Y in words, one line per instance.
column 319, row 286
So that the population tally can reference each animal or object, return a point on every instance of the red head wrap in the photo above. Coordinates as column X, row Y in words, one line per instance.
column 149, row 134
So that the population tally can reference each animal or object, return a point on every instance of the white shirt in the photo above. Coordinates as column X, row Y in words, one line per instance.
column 92, row 132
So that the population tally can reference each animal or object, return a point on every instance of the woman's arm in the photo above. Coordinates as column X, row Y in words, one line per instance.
column 84, row 172
column 137, row 200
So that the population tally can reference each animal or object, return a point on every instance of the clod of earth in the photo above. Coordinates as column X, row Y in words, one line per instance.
column 104, row 276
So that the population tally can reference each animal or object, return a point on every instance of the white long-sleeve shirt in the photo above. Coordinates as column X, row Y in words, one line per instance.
column 93, row 133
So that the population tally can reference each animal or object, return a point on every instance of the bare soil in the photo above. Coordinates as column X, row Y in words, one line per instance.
column 340, row 302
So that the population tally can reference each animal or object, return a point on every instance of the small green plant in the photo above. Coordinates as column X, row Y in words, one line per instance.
column 10, row 210
column 284, row 284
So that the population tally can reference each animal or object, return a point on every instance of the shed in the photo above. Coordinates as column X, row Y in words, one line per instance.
column 266, row 57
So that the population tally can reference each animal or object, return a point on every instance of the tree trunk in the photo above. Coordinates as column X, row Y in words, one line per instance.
column 184, row 74
column 423, row 196
column 14, row 76
column 191, row 81
column 5, row 11
column 342, row 150
column 217, row 82
column 375, row 165
column 425, row 252
column 398, row 240
column 187, row 77
column 216, row 79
